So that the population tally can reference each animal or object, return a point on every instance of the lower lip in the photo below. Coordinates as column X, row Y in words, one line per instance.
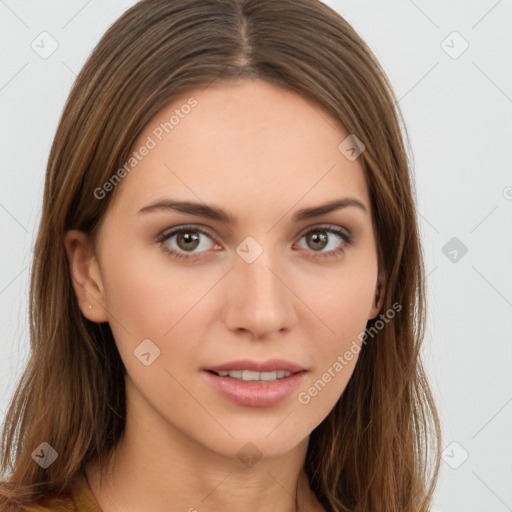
column 256, row 393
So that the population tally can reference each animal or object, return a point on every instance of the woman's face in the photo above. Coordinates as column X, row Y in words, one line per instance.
column 243, row 281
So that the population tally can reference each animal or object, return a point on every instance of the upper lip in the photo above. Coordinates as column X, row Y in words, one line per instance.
column 258, row 366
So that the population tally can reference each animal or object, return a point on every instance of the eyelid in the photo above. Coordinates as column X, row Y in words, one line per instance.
column 326, row 226
column 166, row 233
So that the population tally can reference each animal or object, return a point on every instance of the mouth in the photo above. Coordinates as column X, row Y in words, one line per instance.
column 251, row 368
column 249, row 375
column 255, row 384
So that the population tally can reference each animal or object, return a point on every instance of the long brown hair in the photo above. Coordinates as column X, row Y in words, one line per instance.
column 378, row 449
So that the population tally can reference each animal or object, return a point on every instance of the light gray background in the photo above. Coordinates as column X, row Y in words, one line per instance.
column 458, row 113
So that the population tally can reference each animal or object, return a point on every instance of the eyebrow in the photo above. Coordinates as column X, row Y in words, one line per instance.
column 216, row 213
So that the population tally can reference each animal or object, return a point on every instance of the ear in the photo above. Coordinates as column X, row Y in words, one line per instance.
column 379, row 296
column 85, row 275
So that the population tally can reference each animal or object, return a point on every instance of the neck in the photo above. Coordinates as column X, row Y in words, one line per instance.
column 162, row 469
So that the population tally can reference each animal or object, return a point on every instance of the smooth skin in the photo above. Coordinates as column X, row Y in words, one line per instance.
column 261, row 153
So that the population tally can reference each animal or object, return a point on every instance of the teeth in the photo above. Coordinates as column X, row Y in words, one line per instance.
column 250, row 375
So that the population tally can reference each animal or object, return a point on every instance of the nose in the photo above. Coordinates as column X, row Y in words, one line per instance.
column 259, row 299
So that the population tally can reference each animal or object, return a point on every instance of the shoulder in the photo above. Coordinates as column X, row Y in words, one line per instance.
column 52, row 503
column 78, row 498
column 46, row 504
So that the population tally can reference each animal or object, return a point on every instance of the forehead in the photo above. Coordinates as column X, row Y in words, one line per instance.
column 244, row 145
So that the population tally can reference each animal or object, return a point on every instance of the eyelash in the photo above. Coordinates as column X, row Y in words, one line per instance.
column 346, row 238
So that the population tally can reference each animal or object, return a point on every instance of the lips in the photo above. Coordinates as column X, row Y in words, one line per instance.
column 256, row 383
column 255, row 393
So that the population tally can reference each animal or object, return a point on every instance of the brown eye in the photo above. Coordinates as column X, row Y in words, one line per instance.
column 187, row 241
column 183, row 242
column 317, row 240
column 336, row 240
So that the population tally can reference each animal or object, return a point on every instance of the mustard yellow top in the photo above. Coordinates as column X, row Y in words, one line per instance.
column 78, row 499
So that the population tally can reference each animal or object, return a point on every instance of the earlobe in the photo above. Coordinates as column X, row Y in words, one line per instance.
column 85, row 276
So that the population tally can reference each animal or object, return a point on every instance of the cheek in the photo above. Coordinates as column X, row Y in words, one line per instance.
column 150, row 298
column 341, row 307
column 342, row 302
column 144, row 293
column 145, row 301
